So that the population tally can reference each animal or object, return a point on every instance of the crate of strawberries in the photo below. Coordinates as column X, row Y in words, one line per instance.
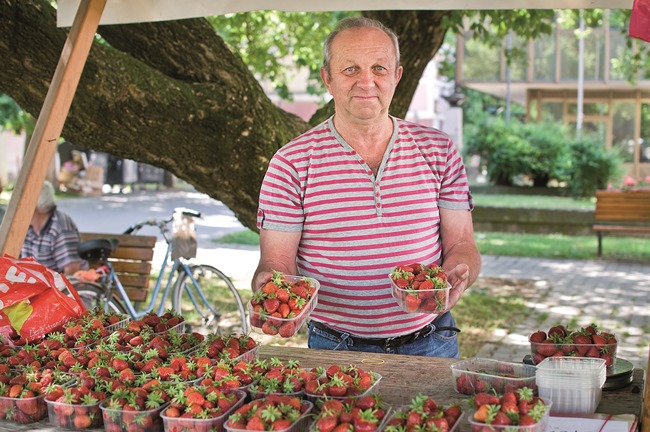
column 283, row 304
column 420, row 288
column 559, row 341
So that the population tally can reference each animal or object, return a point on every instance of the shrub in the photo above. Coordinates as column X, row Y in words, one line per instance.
column 591, row 166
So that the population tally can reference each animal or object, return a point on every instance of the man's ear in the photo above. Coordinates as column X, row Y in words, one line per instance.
column 399, row 74
column 326, row 78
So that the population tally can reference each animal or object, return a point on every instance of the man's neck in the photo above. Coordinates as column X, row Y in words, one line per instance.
column 361, row 135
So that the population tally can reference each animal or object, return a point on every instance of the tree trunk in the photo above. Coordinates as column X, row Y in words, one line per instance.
column 173, row 95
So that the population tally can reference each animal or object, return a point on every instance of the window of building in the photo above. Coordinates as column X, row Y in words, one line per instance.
column 544, row 58
column 623, row 129
column 644, row 155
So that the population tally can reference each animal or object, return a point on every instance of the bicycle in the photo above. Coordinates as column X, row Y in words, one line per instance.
column 201, row 293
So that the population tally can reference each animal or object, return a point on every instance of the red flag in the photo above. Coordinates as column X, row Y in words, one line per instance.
column 640, row 20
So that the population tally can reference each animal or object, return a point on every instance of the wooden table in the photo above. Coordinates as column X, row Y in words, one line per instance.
column 405, row 376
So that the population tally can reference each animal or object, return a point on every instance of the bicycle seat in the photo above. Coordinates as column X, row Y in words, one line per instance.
column 95, row 250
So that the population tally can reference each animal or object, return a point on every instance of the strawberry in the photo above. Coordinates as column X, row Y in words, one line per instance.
column 269, row 329
column 546, row 348
column 271, row 305
column 287, row 329
column 538, row 336
column 412, row 302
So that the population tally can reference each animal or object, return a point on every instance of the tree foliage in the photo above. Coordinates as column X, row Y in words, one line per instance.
column 176, row 95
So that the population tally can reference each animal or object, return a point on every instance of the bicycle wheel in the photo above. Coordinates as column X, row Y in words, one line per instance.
column 221, row 312
column 93, row 294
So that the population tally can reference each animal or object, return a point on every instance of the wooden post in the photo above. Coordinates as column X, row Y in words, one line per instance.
column 49, row 126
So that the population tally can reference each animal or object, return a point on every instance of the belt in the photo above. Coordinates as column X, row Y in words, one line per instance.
column 387, row 343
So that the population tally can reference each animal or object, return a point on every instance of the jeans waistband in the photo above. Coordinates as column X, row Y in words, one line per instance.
column 387, row 343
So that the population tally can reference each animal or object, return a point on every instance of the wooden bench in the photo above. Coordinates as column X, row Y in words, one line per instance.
column 621, row 213
column 131, row 261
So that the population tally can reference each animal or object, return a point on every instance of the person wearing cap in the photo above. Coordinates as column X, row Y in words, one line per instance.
column 53, row 238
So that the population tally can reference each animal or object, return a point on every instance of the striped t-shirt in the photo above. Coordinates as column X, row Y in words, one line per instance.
column 55, row 245
column 356, row 227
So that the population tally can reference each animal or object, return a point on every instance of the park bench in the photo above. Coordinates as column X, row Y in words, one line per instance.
column 621, row 213
column 132, row 261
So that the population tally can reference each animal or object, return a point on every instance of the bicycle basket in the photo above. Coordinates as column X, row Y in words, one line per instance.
column 183, row 237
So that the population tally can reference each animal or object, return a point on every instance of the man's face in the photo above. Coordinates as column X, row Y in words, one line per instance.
column 363, row 74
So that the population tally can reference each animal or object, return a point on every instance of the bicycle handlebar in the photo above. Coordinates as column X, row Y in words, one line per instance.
column 161, row 224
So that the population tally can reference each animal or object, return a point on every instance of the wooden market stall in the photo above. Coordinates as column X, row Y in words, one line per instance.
column 84, row 17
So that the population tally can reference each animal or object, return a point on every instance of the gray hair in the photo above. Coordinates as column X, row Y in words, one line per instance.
column 356, row 22
column 45, row 203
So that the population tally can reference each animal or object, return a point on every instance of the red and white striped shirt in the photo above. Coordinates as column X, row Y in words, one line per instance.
column 356, row 227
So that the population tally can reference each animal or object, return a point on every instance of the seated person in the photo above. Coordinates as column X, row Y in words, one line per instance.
column 53, row 238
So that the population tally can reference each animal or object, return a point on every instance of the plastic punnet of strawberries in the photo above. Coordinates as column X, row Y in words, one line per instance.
column 342, row 382
column 135, row 407
column 283, row 378
column 22, row 397
column 420, row 288
column 424, row 413
column 518, row 408
column 274, row 412
column 283, row 304
column 560, row 341
column 200, row 408
column 77, row 407
column 361, row 414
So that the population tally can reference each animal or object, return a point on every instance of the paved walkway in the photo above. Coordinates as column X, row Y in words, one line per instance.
column 615, row 295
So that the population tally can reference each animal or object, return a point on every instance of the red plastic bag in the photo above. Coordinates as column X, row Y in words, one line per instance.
column 31, row 301
column 640, row 20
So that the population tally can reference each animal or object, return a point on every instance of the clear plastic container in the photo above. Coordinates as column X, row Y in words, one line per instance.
column 177, row 424
column 540, row 426
column 543, row 350
column 421, row 301
column 388, row 413
column 23, row 410
column 74, row 416
column 123, row 421
column 283, row 327
column 574, row 384
column 476, row 375
column 401, row 411
column 373, row 389
column 301, row 424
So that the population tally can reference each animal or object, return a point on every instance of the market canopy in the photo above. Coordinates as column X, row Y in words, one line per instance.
column 131, row 11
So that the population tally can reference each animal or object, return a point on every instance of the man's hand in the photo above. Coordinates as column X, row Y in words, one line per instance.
column 458, row 277
column 261, row 279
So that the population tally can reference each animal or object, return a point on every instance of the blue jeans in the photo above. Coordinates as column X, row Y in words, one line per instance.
column 434, row 342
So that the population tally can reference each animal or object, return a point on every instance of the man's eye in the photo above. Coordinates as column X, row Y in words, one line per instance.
column 380, row 68
column 350, row 69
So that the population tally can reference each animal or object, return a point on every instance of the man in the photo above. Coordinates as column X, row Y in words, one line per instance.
column 361, row 193
column 53, row 238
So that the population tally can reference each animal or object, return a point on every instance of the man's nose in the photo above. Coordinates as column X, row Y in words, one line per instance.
column 366, row 78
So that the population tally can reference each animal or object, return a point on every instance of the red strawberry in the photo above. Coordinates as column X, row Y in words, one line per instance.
column 271, row 305
column 287, row 329
column 412, row 302
column 269, row 329
column 546, row 348
column 538, row 336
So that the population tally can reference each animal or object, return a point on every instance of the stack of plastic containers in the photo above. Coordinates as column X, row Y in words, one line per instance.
column 574, row 384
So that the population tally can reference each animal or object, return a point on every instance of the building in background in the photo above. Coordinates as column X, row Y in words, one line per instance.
column 547, row 84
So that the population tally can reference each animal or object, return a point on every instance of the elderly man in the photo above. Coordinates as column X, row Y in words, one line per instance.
column 53, row 238
column 361, row 193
